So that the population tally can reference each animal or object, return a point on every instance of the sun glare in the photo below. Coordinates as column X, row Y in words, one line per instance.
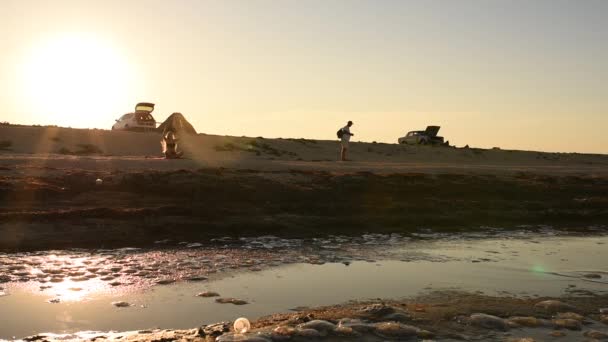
column 76, row 80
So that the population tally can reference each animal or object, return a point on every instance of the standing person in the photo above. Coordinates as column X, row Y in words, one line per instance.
column 345, row 135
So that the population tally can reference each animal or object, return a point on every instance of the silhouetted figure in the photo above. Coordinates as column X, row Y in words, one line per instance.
column 169, row 144
column 344, row 134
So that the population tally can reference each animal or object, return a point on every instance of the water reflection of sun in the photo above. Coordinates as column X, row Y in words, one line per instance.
column 72, row 282
column 75, row 291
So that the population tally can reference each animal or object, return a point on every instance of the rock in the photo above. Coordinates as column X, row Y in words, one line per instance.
column 121, row 304
column 567, row 323
column 592, row 276
column 522, row 339
column 604, row 311
column 377, row 310
column 242, row 338
column 598, row 335
column 165, row 281
column 397, row 317
column 489, row 322
column 284, row 331
column 308, row 333
column 356, row 325
column 213, row 330
column 604, row 319
column 54, row 300
column 208, row 294
column 555, row 306
column 345, row 331
column 231, row 301
column 570, row 315
column 318, row 325
column 395, row 330
column 557, row 333
column 198, row 278
column 531, row 322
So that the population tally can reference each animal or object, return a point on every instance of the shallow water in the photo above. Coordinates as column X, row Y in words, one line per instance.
column 276, row 275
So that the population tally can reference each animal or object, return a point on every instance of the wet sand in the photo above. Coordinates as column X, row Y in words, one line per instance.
column 130, row 289
column 59, row 208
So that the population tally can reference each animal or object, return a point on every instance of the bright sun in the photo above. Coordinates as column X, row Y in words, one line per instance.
column 77, row 81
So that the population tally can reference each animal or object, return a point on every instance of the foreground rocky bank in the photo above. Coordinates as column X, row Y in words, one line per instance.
column 440, row 316
column 67, row 209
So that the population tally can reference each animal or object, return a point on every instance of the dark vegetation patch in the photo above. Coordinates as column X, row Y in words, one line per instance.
column 5, row 145
column 83, row 150
column 254, row 146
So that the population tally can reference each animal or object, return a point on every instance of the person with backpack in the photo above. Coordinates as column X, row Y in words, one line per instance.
column 344, row 135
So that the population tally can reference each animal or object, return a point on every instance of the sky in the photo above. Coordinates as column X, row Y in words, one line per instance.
column 514, row 74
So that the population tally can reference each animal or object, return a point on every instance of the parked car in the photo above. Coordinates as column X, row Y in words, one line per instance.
column 428, row 136
column 141, row 120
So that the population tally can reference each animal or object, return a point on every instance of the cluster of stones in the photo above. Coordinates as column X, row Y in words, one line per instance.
column 563, row 318
column 377, row 320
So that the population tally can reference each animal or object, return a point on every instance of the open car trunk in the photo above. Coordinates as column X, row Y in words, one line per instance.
column 432, row 131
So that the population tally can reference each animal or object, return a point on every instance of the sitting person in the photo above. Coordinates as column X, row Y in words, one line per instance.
column 169, row 144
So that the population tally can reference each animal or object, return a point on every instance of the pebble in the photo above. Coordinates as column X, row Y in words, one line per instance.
column 557, row 333
column 242, row 338
column 356, row 325
column 284, row 330
column 592, row 276
column 604, row 319
column 567, row 323
column 570, row 315
column 598, row 335
column 216, row 329
column 165, row 281
column 531, row 322
column 231, row 301
column 489, row 322
column 208, row 294
column 555, row 306
column 121, row 304
column 345, row 331
column 397, row 317
column 54, row 300
column 318, row 325
column 308, row 333
column 396, row 330
column 604, row 311
column 377, row 310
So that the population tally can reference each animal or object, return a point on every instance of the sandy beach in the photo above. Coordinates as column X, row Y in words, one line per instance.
column 63, row 189
column 288, row 187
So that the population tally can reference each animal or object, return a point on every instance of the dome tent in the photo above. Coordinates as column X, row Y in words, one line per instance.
column 177, row 123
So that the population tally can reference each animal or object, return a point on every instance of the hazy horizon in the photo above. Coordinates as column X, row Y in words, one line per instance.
column 512, row 74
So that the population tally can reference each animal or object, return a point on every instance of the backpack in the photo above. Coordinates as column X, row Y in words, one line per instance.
column 340, row 133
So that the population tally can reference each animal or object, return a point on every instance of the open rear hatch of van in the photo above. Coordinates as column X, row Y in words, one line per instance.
column 143, row 114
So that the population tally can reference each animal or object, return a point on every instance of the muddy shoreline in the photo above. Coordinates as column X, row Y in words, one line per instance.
column 441, row 316
column 68, row 209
